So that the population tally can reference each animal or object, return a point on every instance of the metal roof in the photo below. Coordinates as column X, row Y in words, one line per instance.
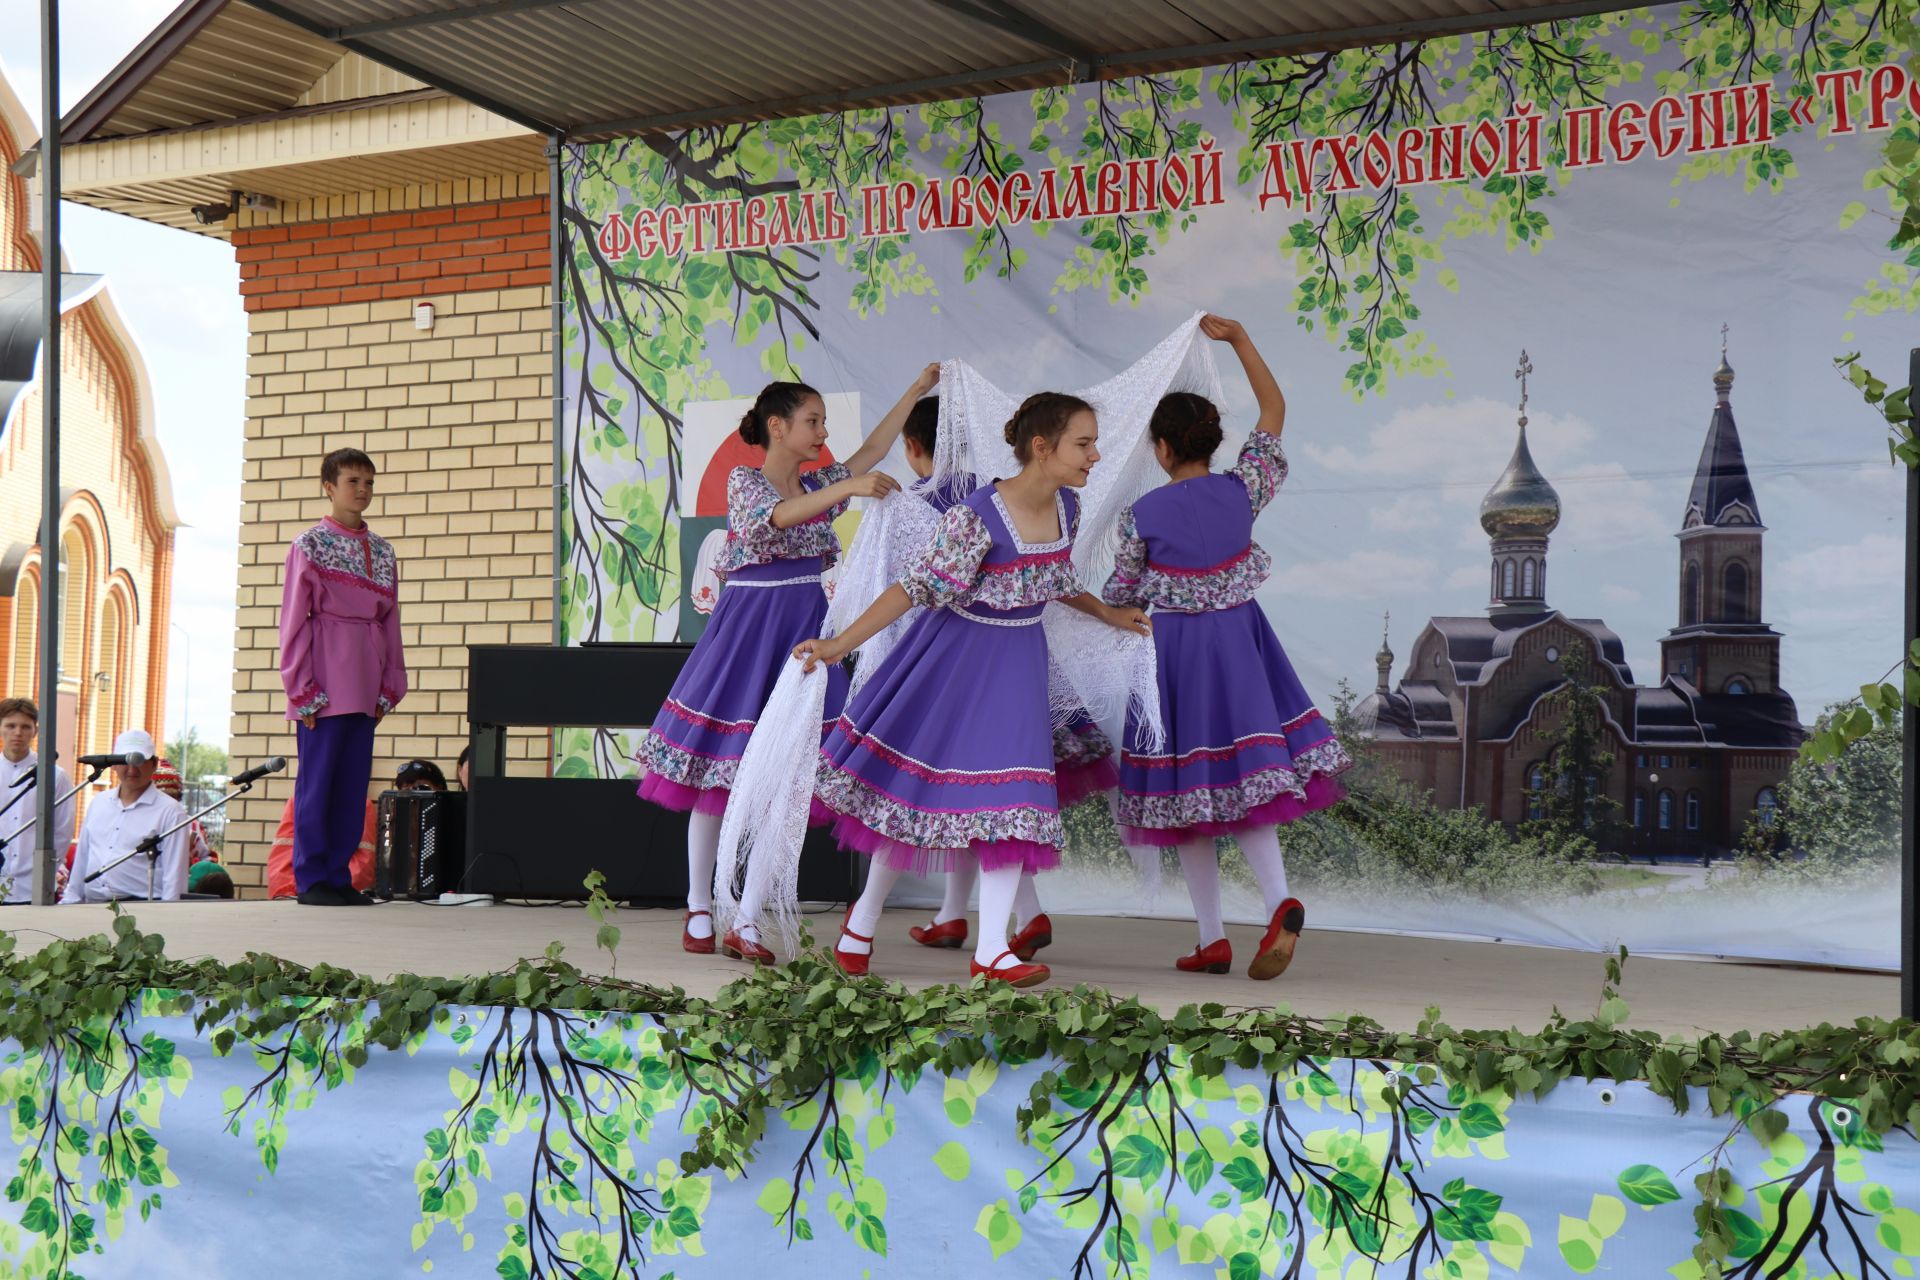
column 596, row 68
column 211, row 61
column 22, row 316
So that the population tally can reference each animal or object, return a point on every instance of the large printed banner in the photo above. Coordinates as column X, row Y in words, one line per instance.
column 1583, row 529
column 528, row 1143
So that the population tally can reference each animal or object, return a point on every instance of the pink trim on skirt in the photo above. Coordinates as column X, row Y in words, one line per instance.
column 1078, row 784
column 710, row 800
column 1323, row 792
column 851, row 833
column 682, row 798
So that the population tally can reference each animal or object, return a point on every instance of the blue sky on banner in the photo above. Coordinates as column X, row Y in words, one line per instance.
column 180, row 295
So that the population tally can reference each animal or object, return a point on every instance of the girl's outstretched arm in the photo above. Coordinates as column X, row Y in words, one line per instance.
column 1266, row 391
column 887, row 430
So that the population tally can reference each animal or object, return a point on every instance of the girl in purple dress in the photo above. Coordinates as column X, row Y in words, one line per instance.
column 780, row 540
column 1082, row 755
column 1245, row 748
column 947, row 752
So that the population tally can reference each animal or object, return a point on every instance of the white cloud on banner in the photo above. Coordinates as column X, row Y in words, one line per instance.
column 1358, row 575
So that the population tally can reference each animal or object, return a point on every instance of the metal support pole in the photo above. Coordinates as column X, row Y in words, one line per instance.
column 43, row 851
column 558, row 329
column 1909, row 734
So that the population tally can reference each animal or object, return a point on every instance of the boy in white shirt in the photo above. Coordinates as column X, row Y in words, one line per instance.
column 19, row 726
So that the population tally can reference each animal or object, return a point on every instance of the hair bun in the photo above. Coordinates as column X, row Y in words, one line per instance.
column 1012, row 432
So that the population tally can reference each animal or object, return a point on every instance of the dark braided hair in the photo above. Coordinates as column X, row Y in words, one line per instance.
column 1189, row 425
column 776, row 400
column 1042, row 414
column 923, row 423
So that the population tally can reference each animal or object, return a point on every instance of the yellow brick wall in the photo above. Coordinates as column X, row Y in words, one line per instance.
column 459, row 422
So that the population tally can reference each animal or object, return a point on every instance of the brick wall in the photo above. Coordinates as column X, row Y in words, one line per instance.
column 459, row 421
column 499, row 244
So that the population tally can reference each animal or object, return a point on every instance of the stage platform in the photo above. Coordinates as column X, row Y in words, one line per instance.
column 1390, row 979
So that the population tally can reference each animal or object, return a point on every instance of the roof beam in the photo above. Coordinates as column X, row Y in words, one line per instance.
column 165, row 40
column 406, row 22
column 1004, row 16
column 374, row 53
column 777, row 108
column 1382, row 33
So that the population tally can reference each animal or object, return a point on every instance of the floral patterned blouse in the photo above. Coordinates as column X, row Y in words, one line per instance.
column 978, row 558
column 751, row 535
column 1188, row 547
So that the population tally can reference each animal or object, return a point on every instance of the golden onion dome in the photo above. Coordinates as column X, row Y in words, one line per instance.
column 1521, row 502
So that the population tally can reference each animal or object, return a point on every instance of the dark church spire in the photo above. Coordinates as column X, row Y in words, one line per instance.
column 1722, row 491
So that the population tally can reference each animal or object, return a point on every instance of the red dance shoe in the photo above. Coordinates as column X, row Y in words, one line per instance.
column 1016, row 975
column 742, row 949
column 1215, row 957
column 1278, row 942
column 691, row 944
column 1038, row 933
column 853, row 963
column 952, row 934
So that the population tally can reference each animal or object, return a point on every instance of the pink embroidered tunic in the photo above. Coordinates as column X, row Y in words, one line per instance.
column 340, row 651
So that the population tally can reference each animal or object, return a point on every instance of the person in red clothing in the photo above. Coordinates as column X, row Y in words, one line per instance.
column 280, row 857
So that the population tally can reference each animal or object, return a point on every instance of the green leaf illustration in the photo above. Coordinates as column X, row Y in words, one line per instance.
column 1197, row 1168
column 953, row 1160
column 1646, row 1185
column 1138, row 1158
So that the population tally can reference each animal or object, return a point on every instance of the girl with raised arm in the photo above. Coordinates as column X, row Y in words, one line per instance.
column 780, row 540
column 1245, row 748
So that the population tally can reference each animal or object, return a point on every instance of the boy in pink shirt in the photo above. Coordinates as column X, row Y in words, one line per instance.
column 343, row 668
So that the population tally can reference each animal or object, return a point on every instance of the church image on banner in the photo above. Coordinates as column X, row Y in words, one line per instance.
column 1696, row 757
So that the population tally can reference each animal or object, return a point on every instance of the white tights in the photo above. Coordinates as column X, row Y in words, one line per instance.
column 1004, row 891
column 1200, row 866
column 703, row 850
column 960, row 882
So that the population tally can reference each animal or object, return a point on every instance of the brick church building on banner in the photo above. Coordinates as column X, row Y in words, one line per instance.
column 1695, row 757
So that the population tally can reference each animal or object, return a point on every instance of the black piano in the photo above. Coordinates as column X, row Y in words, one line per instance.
column 539, row 837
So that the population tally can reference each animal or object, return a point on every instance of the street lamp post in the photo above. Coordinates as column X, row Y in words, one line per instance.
column 186, row 698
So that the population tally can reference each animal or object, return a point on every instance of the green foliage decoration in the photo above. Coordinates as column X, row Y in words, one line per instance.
column 1131, row 1102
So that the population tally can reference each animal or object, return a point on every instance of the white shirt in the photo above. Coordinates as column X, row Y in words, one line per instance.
column 18, row 865
column 111, row 831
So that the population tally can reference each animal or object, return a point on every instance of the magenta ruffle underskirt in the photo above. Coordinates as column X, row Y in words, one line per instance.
column 853, row 834
column 1322, row 792
column 1075, row 785
column 710, row 800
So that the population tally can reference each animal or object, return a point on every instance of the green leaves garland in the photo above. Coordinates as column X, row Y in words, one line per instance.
column 1118, row 1119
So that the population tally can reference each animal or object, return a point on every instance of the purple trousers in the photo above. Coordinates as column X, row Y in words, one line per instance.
column 330, row 799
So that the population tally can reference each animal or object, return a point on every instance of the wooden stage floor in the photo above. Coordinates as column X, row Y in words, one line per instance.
column 1387, row 978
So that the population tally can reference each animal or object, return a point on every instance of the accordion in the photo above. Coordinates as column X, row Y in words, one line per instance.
column 422, row 841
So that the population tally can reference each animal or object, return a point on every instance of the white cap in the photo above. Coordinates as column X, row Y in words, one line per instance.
column 135, row 740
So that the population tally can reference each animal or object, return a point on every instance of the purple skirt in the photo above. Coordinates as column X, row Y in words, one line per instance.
column 693, row 750
column 1082, row 761
column 1245, row 745
column 947, row 752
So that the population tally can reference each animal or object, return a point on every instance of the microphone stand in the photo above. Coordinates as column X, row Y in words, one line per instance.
column 151, row 845
column 98, row 771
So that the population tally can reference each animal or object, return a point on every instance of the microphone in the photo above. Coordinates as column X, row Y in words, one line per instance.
column 259, row 771
column 132, row 760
